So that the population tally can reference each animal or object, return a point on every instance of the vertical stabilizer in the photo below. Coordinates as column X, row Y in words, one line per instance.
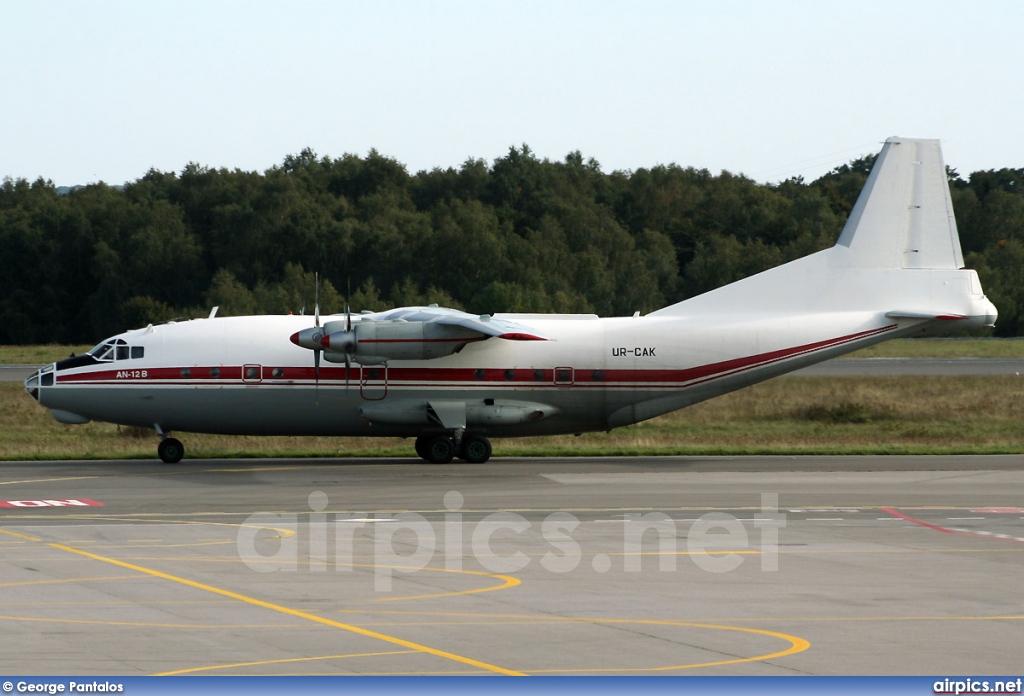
column 904, row 216
column 898, row 254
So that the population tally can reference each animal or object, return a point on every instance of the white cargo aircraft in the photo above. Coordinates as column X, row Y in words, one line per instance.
column 452, row 379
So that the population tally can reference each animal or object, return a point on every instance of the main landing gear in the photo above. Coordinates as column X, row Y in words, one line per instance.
column 442, row 448
column 170, row 450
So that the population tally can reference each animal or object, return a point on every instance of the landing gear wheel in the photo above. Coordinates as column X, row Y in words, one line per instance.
column 475, row 449
column 422, row 446
column 440, row 449
column 170, row 450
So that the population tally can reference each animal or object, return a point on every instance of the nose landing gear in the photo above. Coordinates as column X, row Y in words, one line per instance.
column 170, row 450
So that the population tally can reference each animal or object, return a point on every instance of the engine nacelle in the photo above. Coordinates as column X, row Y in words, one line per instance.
column 372, row 342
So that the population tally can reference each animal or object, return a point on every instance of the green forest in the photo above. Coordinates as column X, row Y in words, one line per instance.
column 521, row 234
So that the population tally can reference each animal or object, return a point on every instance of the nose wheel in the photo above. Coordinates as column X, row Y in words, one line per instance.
column 170, row 450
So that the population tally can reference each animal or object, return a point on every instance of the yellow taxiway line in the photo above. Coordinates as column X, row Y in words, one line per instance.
column 275, row 607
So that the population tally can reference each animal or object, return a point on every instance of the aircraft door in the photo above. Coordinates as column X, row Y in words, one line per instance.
column 373, row 382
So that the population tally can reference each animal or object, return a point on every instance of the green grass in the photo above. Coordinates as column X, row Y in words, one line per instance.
column 792, row 416
column 945, row 348
column 37, row 355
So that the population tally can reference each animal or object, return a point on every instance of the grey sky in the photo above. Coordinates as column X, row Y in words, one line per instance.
column 106, row 90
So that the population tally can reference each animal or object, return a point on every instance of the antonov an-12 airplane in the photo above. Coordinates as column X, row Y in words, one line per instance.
column 452, row 380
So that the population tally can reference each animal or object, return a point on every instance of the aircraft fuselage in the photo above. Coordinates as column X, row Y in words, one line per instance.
column 241, row 375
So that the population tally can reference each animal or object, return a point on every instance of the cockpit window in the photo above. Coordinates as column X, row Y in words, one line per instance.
column 103, row 352
column 99, row 350
column 116, row 349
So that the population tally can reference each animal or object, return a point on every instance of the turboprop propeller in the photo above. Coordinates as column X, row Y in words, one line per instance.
column 310, row 338
column 336, row 340
column 340, row 340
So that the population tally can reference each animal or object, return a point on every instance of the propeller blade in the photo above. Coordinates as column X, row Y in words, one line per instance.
column 316, row 376
column 316, row 325
column 316, row 276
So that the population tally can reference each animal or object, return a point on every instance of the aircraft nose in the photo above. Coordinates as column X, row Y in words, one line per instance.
column 32, row 384
column 43, row 377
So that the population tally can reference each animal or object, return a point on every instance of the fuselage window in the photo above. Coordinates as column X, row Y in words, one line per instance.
column 138, row 352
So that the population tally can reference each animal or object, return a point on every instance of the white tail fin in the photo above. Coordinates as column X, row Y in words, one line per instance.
column 904, row 216
column 898, row 256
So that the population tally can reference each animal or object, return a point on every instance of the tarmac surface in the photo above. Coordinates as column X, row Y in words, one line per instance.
column 675, row 565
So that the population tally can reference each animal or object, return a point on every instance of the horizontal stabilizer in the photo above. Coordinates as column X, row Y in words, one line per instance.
column 924, row 315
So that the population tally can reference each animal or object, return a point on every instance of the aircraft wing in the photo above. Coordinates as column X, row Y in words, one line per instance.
column 484, row 324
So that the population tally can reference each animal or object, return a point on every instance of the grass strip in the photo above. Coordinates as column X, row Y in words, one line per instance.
column 787, row 416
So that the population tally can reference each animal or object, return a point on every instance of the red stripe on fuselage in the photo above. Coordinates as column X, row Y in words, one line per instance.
column 444, row 376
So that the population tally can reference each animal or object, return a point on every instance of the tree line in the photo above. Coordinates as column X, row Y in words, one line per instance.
column 521, row 234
